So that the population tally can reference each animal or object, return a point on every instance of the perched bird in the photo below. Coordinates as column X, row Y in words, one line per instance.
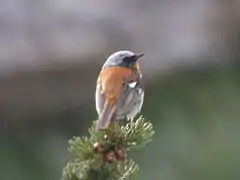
column 119, row 92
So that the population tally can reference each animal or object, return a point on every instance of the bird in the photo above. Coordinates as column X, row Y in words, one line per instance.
column 119, row 89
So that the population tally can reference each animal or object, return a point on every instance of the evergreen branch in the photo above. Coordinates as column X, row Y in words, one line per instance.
column 137, row 133
column 76, row 170
column 124, row 171
column 102, row 155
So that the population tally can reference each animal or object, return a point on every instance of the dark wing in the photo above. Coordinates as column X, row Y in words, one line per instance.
column 109, row 86
column 105, row 110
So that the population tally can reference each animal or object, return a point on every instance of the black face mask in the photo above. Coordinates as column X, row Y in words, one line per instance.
column 129, row 61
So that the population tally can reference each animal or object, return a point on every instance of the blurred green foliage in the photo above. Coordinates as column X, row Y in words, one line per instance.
column 196, row 117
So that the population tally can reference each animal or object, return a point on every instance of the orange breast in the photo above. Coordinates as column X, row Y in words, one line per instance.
column 111, row 80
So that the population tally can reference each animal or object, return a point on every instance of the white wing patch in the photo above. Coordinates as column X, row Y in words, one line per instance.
column 140, row 91
column 132, row 84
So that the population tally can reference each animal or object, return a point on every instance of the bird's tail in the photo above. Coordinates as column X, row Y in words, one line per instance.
column 105, row 117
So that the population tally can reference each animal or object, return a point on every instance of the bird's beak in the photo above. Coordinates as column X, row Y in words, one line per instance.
column 138, row 56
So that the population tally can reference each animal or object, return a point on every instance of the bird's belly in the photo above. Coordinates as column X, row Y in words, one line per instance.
column 129, row 106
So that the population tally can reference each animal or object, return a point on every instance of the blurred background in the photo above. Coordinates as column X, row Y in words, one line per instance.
column 51, row 52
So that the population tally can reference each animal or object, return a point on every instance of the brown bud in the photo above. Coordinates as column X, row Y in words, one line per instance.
column 110, row 157
column 120, row 152
column 97, row 147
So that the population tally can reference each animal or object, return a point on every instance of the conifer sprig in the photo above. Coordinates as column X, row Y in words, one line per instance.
column 102, row 155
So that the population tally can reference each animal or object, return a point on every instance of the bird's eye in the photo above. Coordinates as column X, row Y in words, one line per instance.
column 129, row 59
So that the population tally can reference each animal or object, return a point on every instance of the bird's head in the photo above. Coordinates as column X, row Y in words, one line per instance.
column 126, row 59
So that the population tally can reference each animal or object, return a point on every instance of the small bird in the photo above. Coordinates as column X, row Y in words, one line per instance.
column 119, row 91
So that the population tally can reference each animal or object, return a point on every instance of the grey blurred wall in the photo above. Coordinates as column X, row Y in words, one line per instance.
column 45, row 33
column 49, row 47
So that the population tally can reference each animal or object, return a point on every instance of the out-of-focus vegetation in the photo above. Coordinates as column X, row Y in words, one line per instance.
column 196, row 117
